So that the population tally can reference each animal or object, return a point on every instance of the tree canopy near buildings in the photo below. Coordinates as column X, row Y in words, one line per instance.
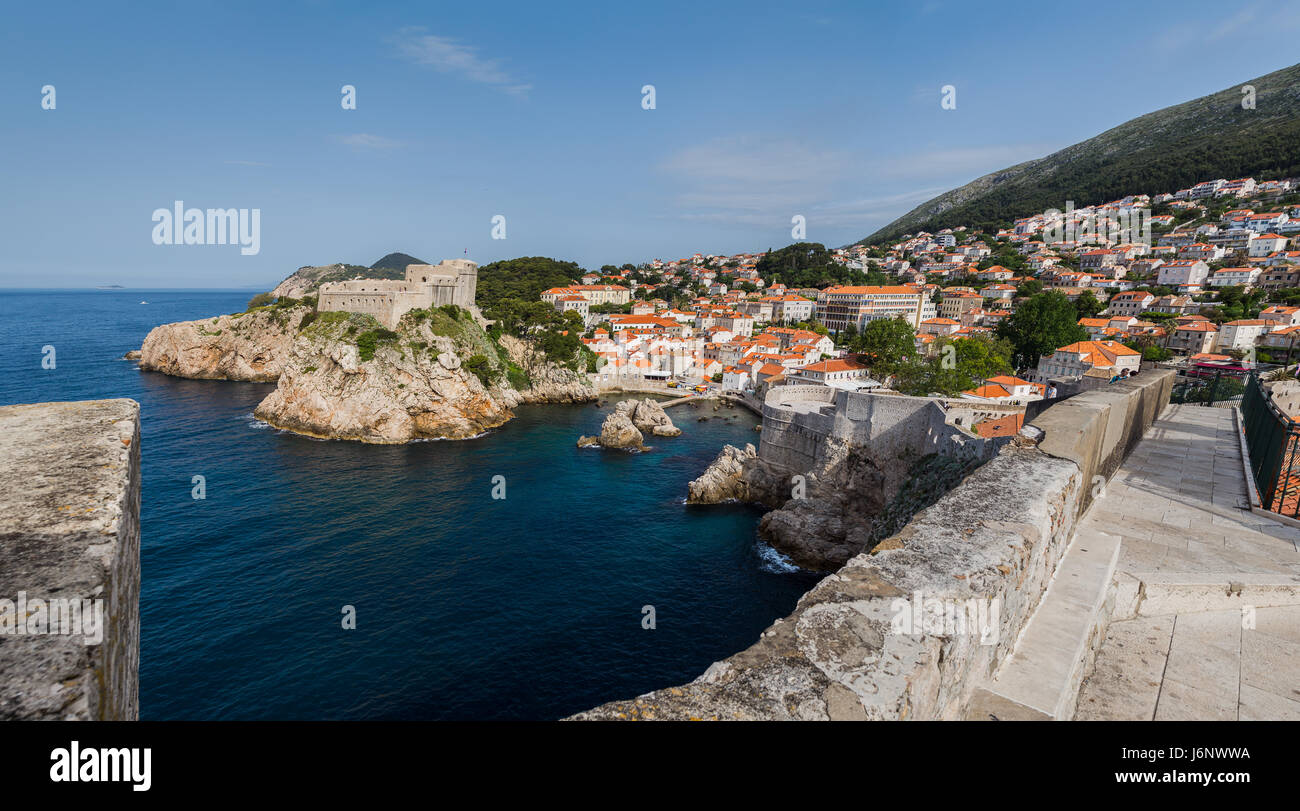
column 1041, row 323
column 523, row 278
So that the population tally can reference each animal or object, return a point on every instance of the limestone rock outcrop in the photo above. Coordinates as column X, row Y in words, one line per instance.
column 815, row 526
column 617, row 432
column 723, row 480
column 649, row 417
column 342, row 376
column 547, row 382
column 412, row 386
column 250, row 346
column 820, row 534
column 627, row 426
column 852, row 495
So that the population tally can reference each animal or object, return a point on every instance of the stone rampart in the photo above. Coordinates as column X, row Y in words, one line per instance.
column 854, row 648
column 70, row 560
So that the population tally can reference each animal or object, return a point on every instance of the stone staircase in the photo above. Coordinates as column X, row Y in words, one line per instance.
column 1040, row 680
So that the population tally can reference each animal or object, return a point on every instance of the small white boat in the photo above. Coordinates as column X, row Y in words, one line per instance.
column 144, row 302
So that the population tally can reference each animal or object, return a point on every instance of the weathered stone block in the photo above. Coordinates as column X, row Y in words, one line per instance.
column 70, row 532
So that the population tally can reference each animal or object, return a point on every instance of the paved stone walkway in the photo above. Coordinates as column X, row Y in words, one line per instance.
column 1179, row 505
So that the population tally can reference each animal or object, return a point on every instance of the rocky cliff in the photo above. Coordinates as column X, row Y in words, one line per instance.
column 738, row 475
column 347, row 378
column 249, row 346
column 343, row 376
column 541, row 381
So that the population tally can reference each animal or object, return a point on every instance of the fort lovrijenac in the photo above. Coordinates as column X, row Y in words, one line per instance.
column 451, row 281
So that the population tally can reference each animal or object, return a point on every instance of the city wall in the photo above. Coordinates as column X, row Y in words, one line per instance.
column 387, row 306
column 798, row 421
column 999, row 535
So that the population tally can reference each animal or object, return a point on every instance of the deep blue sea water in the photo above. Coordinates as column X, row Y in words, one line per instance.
column 467, row 607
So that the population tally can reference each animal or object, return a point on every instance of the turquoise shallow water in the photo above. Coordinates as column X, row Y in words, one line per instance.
column 467, row 606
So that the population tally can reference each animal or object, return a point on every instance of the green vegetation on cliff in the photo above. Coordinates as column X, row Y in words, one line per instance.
column 508, row 294
column 524, row 278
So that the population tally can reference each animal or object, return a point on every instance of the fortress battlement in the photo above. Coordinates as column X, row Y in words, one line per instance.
column 451, row 281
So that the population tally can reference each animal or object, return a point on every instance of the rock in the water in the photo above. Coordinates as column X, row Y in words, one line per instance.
column 648, row 416
column 723, row 480
column 134, row 354
column 629, row 423
column 816, row 533
column 618, row 431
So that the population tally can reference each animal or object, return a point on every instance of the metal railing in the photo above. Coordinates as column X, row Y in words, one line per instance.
column 1273, row 443
column 1222, row 390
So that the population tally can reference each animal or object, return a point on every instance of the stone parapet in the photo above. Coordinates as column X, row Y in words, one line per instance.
column 70, row 560
column 844, row 652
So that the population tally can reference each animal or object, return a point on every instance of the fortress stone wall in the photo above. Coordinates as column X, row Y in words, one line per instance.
column 798, row 421
column 999, row 535
column 451, row 281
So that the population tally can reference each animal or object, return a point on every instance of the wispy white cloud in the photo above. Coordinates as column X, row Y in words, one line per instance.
column 963, row 162
column 446, row 55
column 853, row 213
column 753, row 179
column 1273, row 18
column 759, row 181
column 364, row 140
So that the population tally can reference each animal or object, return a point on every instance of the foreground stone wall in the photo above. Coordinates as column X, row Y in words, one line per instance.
column 999, row 535
column 69, row 531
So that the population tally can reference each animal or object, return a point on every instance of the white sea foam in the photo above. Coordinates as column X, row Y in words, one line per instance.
column 449, row 439
column 773, row 561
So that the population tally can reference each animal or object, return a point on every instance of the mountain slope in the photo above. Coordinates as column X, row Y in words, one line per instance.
column 1203, row 139
column 398, row 261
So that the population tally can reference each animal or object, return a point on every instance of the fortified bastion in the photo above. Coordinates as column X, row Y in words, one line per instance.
column 802, row 424
column 842, row 469
column 451, row 281
column 859, row 645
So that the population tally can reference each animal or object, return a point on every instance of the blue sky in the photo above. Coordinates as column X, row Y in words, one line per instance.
column 533, row 111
